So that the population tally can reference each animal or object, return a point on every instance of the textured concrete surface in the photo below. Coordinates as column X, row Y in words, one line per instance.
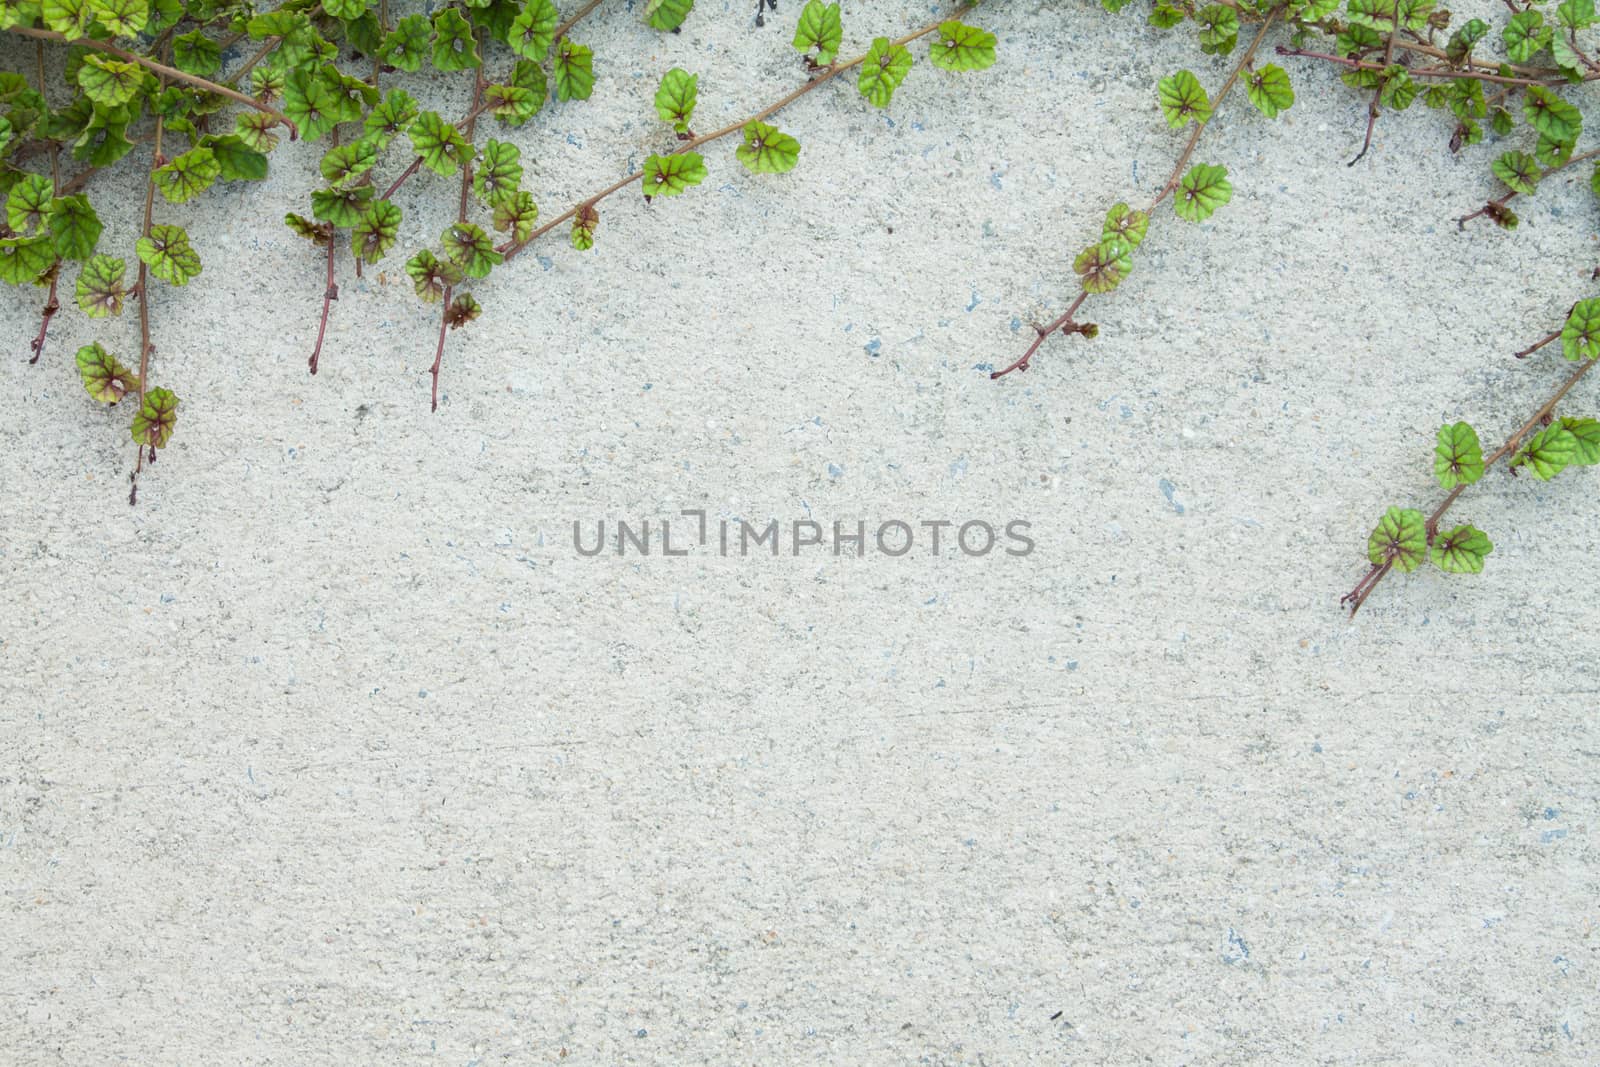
column 334, row 750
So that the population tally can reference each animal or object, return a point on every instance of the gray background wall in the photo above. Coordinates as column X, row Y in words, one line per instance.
column 334, row 751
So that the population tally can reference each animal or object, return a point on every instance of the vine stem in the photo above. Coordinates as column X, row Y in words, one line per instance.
column 577, row 17
column 1369, row 581
column 330, row 291
column 1377, row 94
column 461, row 216
column 51, row 303
column 1064, row 321
column 822, row 76
column 1500, row 202
column 142, row 289
column 163, row 70
column 1428, row 72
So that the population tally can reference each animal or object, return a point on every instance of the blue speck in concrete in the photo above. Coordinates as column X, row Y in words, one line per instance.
column 1237, row 950
column 976, row 300
column 546, row 262
column 1016, row 324
column 959, row 467
column 1167, row 489
column 1550, row 813
column 834, row 470
column 1072, row 664
column 1552, row 835
column 873, row 346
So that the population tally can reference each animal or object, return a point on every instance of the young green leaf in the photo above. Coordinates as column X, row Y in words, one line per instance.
column 1269, row 90
column 671, row 175
column 960, row 47
column 1551, row 115
column 408, row 44
column 1459, row 48
column 1580, row 336
column 454, row 47
column 666, row 14
column 1552, row 154
column 1400, row 539
column 819, row 28
column 1518, row 170
column 584, row 223
column 1126, row 224
column 470, row 249
column 765, row 149
column 1102, row 266
column 110, row 82
column 1586, row 432
column 1547, row 452
column 316, row 101
column 168, row 255
column 74, row 227
column 574, row 71
column 374, row 233
column 255, row 130
column 1204, row 189
column 441, row 146
column 236, row 159
column 431, row 276
column 512, row 104
column 156, row 418
column 676, row 98
column 187, row 175
column 463, row 309
column 195, row 53
column 348, row 162
column 1462, row 550
column 124, row 18
column 1182, row 99
column 104, row 379
column 24, row 260
column 347, row 10
column 518, row 214
column 1458, row 458
column 67, row 17
column 498, row 173
column 884, row 68
column 342, row 207
column 29, row 203
column 533, row 31
column 1576, row 14
column 1164, row 16
column 100, row 291
column 1396, row 89
column 390, row 119
column 1219, row 29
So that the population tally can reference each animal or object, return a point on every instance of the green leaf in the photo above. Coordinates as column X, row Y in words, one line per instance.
column 1396, row 90
column 156, row 418
column 124, row 18
column 188, row 175
column 1219, row 29
column 533, row 31
column 884, row 68
column 1102, row 266
column 1547, row 452
column 110, row 82
column 103, row 142
column 960, row 47
column 238, row 160
column 470, row 249
column 342, row 207
column 1126, row 225
column 1380, row 15
column 316, row 101
column 676, row 98
column 584, row 223
column 666, row 14
column 512, row 104
column 374, row 233
column 1204, row 189
column 498, row 173
column 195, row 53
column 74, row 227
column 1586, row 432
column 1400, row 538
column 168, row 255
column 100, row 291
column 1566, row 56
column 516, row 213
column 1459, row 48
column 441, row 146
column 463, row 309
column 1458, row 458
column 104, row 378
column 1524, row 35
column 1580, row 336
column 1594, row 180
column 67, row 17
column 348, row 10
column 671, row 175
column 765, row 149
column 454, row 47
column 574, row 69
column 315, row 232
column 254, row 129
column 1500, row 121
column 390, row 119
column 1165, row 16
column 1576, row 14
column 1269, row 90
column 29, row 203
column 347, row 162
column 1551, row 115
column 24, row 259
column 408, row 44
column 1462, row 550
column 1518, row 170
column 430, row 276
column 819, row 28
column 1309, row 11
column 1553, row 154
column 1182, row 99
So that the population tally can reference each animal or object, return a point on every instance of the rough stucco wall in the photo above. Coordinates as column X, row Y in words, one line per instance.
column 333, row 750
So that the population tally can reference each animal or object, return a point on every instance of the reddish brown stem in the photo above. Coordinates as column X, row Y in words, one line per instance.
column 1493, row 206
column 329, row 295
column 461, row 216
column 1427, row 72
column 51, row 306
